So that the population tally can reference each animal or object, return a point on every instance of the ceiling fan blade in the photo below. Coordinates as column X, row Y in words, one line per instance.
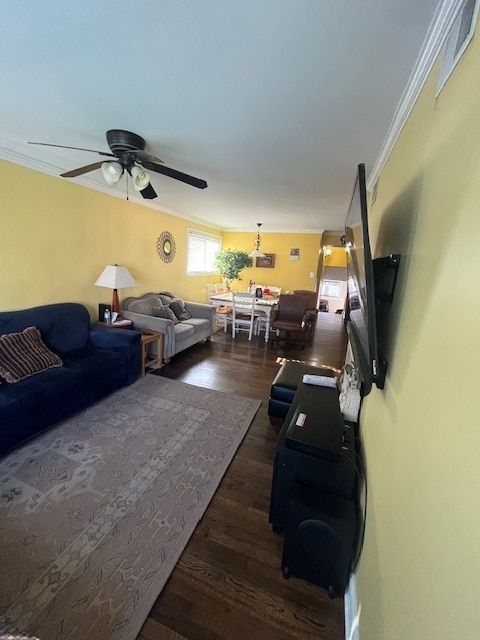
column 78, row 172
column 62, row 146
column 149, row 192
column 177, row 175
column 144, row 156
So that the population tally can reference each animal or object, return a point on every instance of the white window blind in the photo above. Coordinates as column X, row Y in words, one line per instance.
column 201, row 251
column 331, row 288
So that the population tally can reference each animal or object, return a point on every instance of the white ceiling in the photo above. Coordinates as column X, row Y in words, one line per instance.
column 272, row 102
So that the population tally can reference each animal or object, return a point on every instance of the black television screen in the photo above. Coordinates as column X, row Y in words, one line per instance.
column 360, row 289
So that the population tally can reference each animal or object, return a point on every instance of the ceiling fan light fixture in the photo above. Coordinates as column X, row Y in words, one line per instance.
column 140, row 178
column 112, row 172
column 256, row 253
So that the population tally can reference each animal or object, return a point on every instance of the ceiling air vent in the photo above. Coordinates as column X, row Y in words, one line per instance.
column 460, row 34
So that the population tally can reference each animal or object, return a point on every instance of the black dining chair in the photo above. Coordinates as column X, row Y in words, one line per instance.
column 290, row 317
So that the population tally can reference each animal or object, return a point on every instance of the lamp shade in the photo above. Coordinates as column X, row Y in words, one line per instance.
column 256, row 253
column 112, row 171
column 115, row 277
column 140, row 178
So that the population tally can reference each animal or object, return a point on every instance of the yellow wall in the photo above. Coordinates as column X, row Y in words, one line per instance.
column 337, row 258
column 419, row 574
column 288, row 274
column 58, row 236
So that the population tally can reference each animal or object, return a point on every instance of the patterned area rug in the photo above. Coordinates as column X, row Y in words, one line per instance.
column 95, row 513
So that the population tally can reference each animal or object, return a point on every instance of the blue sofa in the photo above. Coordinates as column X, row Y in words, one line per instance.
column 96, row 361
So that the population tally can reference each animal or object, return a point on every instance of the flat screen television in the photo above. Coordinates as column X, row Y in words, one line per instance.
column 361, row 320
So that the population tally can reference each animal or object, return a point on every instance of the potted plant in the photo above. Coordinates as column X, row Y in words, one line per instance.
column 230, row 262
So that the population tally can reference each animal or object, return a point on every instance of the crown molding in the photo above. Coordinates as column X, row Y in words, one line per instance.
column 29, row 163
column 109, row 190
column 272, row 230
column 441, row 24
column 83, row 181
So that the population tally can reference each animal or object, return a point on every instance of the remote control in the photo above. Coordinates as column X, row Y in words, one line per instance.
column 321, row 381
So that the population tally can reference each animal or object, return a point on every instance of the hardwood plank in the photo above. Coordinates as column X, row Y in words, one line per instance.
column 228, row 584
column 153, row 630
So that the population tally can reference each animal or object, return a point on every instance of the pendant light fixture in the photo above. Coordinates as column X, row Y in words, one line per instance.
column 256, row 253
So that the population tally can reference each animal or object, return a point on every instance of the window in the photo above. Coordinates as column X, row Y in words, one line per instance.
column 331, row 288
column 458, row 38
column 201, row 251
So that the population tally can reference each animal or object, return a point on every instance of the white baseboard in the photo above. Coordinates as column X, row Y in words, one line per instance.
column 352, row 611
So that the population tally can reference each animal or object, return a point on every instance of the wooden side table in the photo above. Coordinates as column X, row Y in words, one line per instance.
column 149, row 337
column 125, row 324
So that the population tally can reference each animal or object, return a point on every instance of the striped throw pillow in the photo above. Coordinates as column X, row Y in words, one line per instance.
column 23, row 354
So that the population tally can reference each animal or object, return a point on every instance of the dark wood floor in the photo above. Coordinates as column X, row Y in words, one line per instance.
column 228, row 584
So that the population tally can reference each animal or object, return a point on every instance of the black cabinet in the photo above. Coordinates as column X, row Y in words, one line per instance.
column 315, row 488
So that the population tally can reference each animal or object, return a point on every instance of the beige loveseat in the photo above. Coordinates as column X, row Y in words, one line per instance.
column 154, row 312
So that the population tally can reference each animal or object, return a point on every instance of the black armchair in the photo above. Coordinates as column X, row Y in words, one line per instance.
column 290, row 317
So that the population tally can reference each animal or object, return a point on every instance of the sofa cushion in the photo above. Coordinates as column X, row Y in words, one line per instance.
column 183, row 330
column 63, row 326
column 141, row 306
column 24, row 354
column 165, row 312
column 31, row 405
column 177, row 305
column 199, row 324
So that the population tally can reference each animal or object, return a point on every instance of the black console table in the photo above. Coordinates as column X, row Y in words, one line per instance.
column 314, row 492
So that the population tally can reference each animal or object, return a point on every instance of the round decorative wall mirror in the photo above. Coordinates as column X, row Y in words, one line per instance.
column 166, row 246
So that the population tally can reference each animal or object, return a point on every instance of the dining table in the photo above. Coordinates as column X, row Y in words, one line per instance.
column 265, row 304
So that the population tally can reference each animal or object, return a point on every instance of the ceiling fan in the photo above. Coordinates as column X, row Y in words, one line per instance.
column 128, row 153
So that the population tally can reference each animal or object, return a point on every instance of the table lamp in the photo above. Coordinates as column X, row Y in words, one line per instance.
column 115, row 277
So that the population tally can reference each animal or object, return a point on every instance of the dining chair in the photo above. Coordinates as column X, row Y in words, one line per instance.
column 243, row 317
column 211, row 290
column 312, row 307
column 262, row 318
column 290, row 317
column 223, row 313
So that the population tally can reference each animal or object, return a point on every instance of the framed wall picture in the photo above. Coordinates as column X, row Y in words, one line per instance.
column 268, row 260
column 294, row 254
